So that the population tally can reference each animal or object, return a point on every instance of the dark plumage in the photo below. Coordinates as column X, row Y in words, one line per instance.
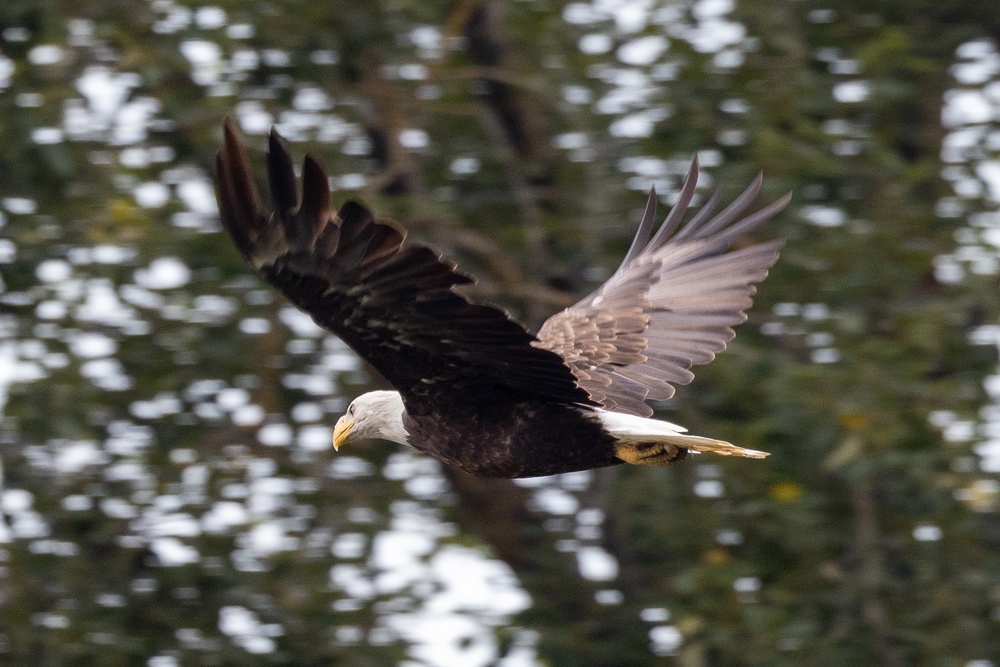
column 480, row 392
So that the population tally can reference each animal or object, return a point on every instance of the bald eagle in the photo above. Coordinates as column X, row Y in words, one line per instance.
column 474, row 388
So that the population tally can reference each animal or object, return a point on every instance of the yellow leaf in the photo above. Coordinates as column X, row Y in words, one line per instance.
column 786, row 492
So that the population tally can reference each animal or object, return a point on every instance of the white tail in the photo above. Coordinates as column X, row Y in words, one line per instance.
column 630, row 429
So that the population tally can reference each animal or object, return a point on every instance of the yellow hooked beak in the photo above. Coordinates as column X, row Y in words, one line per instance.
column 341, row 431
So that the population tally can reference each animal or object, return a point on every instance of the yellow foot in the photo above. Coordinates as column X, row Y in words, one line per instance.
column 650, row 453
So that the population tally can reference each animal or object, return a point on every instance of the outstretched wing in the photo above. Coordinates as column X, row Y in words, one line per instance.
column 391, row 301
column 670, row 305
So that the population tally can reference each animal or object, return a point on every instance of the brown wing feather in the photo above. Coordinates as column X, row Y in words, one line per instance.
column 391, row 301
column 670, row 305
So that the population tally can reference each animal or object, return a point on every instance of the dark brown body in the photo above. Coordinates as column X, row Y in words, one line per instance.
column 506, row 437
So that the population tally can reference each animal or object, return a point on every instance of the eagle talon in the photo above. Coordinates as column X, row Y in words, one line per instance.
column 650, row 453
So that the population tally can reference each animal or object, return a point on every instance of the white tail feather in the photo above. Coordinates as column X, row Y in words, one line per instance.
column 630, row 429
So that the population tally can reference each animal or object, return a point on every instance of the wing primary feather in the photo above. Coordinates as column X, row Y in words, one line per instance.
column 239, row 201
column 227, row 198
column 354, row 217
column 415, row 263
column 731, row 268
column 356, row 231
column 281, row 176
column 384, row 244
column 641, row 234
column 753, row 220
column 703, row 213
column 328, row 238
column 316, row 211
column 727, row 215
column 678, row 210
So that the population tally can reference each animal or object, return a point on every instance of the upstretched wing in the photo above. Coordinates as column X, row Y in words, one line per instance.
column 670, row 305
column 391, row 301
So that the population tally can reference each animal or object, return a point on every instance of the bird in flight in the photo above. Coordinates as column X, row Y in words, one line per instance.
column 474, row 388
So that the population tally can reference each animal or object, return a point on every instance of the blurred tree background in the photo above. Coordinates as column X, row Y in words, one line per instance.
column 170, row 496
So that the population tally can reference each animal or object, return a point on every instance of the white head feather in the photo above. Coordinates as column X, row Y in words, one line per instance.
column 375, row 415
